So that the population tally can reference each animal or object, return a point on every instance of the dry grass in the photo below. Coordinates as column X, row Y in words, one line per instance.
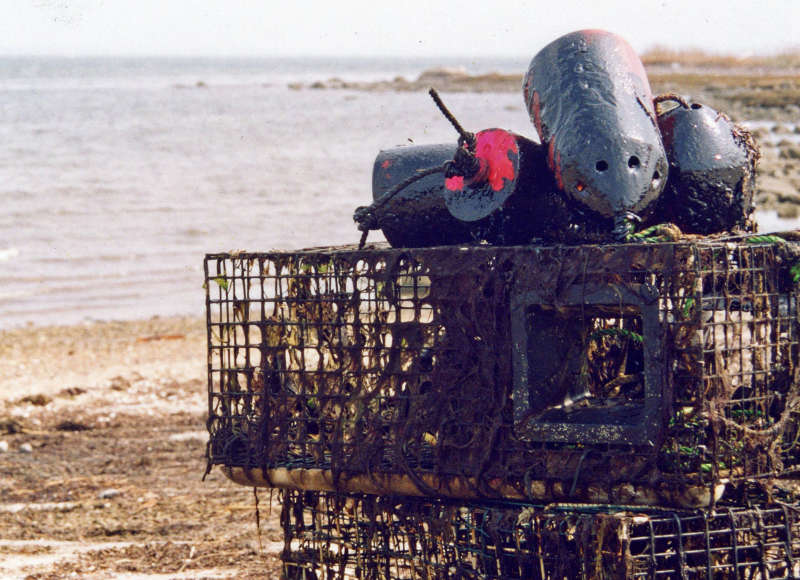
column 664, row 56
column 734, row 92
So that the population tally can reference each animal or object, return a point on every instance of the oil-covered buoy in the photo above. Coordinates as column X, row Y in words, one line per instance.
column 416, row 216
column 712, row 170
column 588, row 96
column 499, row 202
column 445, row 194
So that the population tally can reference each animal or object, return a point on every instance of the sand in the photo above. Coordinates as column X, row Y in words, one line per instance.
column 104, row 425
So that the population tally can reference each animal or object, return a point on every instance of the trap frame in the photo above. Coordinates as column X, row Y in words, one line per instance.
column 330, row 535
column 654, row 374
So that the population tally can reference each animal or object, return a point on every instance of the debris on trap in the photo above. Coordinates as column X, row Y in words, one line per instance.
column 598, row 173
column 638, row 373
column 390, row 537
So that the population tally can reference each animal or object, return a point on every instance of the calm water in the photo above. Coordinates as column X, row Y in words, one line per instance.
column 119, row 175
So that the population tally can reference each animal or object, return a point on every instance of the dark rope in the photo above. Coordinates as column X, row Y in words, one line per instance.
column 363, row 239
column 464, row 164
column 671, row 97
column 366, row 215
column 464, row 136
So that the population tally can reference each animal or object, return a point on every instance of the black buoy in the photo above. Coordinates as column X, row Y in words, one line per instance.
column 588, row 96
column 497, row 200
column 712, row 170
column 500, row 201
column 416, row 216
column 485, row 188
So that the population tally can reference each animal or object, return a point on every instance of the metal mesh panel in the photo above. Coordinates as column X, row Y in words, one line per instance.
column 336, row 536
column 626, row 374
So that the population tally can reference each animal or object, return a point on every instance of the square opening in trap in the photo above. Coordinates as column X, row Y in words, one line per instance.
column 588, row 369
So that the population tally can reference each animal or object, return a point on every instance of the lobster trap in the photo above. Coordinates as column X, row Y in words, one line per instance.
column 329, row 535
column 652, row 374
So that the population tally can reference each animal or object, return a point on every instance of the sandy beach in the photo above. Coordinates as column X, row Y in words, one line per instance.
column 102, row 436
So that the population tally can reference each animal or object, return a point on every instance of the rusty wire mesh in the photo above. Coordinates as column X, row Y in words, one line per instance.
column 637, row 373
column 328, row 535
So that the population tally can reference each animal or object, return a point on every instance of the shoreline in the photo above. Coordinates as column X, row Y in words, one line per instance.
column 48, row 359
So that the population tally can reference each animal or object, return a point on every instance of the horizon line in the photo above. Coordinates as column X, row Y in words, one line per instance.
column 654, row 49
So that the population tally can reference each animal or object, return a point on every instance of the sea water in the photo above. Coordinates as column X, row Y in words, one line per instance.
column 118, row 175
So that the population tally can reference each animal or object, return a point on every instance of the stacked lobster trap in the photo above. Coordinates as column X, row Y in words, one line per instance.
column 435, row 412
column 383, row 537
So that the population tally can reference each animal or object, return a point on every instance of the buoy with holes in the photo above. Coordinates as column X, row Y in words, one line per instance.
column 588, row 96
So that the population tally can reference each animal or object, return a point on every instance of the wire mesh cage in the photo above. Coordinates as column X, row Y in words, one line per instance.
column 640, row 373
column 330, row 535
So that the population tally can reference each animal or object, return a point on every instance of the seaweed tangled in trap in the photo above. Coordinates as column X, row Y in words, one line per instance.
column 419, row 371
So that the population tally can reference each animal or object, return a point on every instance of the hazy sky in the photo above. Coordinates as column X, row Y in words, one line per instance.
column 380, row 27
